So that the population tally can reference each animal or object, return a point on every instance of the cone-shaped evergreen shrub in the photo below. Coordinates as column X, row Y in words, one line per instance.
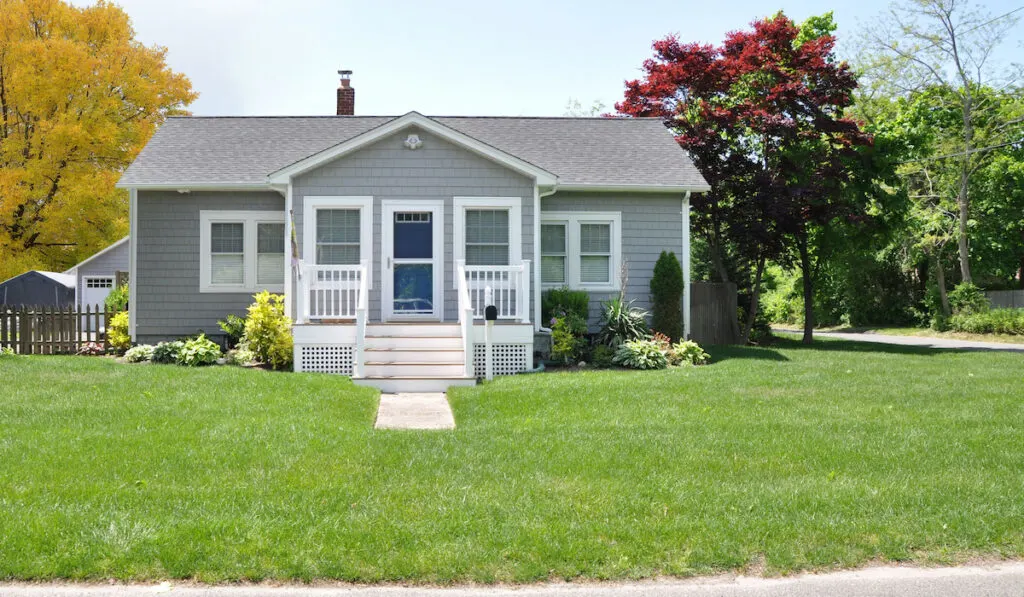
column 667, row 296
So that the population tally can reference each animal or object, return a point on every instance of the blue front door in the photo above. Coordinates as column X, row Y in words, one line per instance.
column 412, row 263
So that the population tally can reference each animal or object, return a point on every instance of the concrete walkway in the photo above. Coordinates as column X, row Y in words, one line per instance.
column 1001, row 580
column 414, row 411
column 911, row 340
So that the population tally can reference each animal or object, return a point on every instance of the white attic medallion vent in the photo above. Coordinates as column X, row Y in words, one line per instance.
column 413, row 141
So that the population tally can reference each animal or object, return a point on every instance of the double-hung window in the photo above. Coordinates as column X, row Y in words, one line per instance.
column 488, row 231
column 338, row 231
column 337, row 236
column 581, row 249
column 241, row 251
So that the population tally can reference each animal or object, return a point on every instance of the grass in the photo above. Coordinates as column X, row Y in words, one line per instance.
column 782, row 459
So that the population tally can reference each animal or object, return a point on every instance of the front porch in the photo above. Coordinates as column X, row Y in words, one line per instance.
column 416, row 344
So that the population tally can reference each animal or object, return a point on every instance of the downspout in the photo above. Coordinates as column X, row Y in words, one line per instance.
column 288, row 273
column 133, row 259
column 537, row 196
column 686, row 265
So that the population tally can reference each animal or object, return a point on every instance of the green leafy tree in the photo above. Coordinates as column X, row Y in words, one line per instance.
column 667, row 296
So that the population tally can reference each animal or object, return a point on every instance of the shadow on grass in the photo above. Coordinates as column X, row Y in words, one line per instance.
column 724, row 352
column 837, row 345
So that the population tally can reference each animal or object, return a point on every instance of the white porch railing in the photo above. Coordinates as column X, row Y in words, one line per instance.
column 332, row 291
column 465, row 319
column 509, row 285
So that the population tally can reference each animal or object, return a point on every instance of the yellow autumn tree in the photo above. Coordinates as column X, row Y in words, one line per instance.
column 79, row 98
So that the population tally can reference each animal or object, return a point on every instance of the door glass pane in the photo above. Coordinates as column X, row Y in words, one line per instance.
column 414, row 235
column 414, row 288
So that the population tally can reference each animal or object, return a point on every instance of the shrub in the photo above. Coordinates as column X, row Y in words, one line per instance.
column 602, row 356
column 641, row 354
column 240, row 355
column 91, row 349
column 563, row 300
column 139, row 354
column 198, row 351
column 966, row 299
column 268, row 331
column 117, row 300
column 995, row 321
column 568, row 337
column 6, row 351
column 687, row 352
column 117, row 332
column 667, row 296
column 621, row 322
column 167, row 352
column 233, row 327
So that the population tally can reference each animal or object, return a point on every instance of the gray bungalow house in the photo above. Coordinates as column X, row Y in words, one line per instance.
column 388, row 236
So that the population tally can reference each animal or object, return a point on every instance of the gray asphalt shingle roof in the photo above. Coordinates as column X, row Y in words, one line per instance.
column 244, row 150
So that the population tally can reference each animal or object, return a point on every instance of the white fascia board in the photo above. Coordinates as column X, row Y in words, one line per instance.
column 634, row 188
column 541, row 176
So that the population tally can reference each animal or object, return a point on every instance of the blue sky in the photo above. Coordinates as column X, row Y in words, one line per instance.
column 259, row 57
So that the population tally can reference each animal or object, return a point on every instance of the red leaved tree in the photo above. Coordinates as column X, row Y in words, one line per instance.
column 762, row 116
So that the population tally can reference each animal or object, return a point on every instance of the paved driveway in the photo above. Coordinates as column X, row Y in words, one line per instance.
column 1002, row 580
column 911, row 340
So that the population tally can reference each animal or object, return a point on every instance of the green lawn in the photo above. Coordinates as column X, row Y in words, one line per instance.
column 789, row 458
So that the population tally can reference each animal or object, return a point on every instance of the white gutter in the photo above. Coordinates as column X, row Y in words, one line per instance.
column 634, row 188
column 537, row 196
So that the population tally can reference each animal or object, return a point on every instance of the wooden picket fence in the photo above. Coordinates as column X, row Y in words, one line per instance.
column 52, row 330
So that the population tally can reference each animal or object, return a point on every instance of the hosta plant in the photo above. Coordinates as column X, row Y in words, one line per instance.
column 139, row 354
column 687, row 352
column 641, row 354
column 199, row 351
column 167, row 352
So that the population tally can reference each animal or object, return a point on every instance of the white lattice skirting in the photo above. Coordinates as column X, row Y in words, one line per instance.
column 326, row 358
column 509, row 359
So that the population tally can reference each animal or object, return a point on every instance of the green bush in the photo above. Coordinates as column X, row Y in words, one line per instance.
column 117, row 300
column 967, row 299
column 268, row 331
column 563, row 300
column 198, row 351
column 6, row 351
column 667, row 296
column 233, row 327
column 167, row 352
column 621, row 322
column 602, row 356
column 687, row 352
column 641, row 354
column 995, row 321
column 117, row 332
column 568, row 337
column 139, row 354
column 240, row 355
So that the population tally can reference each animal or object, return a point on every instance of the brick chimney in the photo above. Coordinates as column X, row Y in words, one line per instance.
column 346, row 94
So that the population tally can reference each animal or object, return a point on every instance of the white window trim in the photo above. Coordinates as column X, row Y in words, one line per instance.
column 249, row 220
column 365, row 206
column 514, row 205
column 572, row 221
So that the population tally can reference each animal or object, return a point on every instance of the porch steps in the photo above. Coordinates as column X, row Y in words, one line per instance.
column 413, row 357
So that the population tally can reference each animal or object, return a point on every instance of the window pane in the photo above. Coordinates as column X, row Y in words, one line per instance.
column 552, row 238
column 595, row 238
column 487, row 255
column 552, row 270
column 270, row 238
column 270, row 268
column 487, row 226
column 594, row 269
column 337, row 254
column 227, row 237
column 227, row 269
column 337, row 225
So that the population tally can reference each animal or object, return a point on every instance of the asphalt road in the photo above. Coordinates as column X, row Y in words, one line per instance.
column 912, row 340
column 999, row 580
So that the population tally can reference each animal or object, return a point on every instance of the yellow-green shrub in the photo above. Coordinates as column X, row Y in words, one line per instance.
column 117, row 332
column 268, row 331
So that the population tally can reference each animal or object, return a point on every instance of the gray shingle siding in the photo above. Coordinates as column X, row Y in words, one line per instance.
column 111, row 262
column 438, row 170
column 651, row 223
column 168, row 301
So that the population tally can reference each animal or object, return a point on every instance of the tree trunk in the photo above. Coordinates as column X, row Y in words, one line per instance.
column 962, row 201
column 940, row 280
column 755, row 302
column 805, row 267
